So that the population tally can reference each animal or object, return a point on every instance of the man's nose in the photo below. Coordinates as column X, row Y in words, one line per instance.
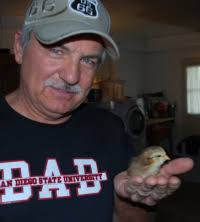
column 71, row 72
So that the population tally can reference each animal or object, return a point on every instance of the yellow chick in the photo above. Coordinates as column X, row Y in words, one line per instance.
column 148, row 163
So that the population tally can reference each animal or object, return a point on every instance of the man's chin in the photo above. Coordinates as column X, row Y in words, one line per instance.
column 66, row 110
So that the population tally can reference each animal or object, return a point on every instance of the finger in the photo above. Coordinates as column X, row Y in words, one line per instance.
column 151, row 181
column 174, row 184
column 162, row 181
column 131, row 188
column 174, row 181
column 177, row 166
column 156, row 180
column 147, row 187
column 149, row 201
column 158, row 195
column 136, row 197
column 141, row 189
column 161, row 191
column 137, row 180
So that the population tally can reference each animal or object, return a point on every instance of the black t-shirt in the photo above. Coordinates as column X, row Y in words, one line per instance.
column 60, row 172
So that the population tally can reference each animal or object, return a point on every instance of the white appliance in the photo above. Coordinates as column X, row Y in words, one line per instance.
column 134, row 121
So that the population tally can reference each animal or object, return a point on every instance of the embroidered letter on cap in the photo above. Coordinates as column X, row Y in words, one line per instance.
column 47, row 6
column 43, row 9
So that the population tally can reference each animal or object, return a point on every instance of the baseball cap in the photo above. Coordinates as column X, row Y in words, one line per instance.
column 55, row 20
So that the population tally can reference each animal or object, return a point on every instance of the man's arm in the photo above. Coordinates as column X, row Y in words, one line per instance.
column 126, row 211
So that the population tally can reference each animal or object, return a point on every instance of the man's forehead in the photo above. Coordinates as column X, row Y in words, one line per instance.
column 85, row 37
column 88, row 38
column 90, row 45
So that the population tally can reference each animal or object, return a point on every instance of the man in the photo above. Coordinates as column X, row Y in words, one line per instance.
column 60, row 159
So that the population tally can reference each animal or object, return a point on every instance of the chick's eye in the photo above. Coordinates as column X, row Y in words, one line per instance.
column 158, row 156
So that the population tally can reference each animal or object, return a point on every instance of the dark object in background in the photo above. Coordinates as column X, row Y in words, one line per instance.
column 9, row 72
column 95, row 95
column 4, row 50
column 189, row 146
column 172, row 110
column 150, row 99
column 182, row 206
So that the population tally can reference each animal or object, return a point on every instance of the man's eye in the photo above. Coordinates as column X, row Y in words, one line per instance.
column 57, row 51
column 89, row 61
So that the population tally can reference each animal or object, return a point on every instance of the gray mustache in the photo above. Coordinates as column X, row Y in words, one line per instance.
column 63, row 85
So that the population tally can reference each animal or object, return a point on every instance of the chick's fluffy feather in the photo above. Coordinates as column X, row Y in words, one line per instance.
column 148, row 162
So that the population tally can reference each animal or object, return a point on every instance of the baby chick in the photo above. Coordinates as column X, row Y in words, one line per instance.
column 148, row 163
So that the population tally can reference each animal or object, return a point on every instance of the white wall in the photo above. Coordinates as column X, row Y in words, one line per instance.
column 131, row 65
column 165, row 68
column 156, row 64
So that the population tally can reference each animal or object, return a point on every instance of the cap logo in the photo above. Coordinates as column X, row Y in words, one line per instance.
column 86, row 8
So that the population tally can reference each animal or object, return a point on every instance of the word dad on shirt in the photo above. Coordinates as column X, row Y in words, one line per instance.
column 19, row 189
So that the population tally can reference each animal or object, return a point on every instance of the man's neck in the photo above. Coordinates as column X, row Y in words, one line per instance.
column 17, row 103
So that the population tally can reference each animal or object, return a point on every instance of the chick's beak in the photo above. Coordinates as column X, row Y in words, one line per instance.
column 166, row 157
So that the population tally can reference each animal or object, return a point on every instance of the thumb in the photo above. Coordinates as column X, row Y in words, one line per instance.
column 177, row 166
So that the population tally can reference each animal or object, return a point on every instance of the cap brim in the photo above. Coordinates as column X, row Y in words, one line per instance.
column 54, row 32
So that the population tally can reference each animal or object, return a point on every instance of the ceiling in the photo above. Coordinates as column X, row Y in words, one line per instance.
column 183, row 13
column 124, row 13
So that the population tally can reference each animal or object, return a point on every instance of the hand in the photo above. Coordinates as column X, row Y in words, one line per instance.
column 151, row 189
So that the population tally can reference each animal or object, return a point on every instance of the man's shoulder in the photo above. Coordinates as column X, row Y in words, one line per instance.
column 98, row 113
column 3, row 105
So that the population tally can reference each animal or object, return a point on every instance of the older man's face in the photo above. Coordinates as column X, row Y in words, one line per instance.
column 56, row 79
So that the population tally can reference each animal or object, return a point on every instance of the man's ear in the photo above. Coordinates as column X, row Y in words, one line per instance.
column 18, row 50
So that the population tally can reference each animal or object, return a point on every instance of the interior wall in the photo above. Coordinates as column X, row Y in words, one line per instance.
column 8, row 26
column 156, row 64
column 131, row 64
column 164, row 71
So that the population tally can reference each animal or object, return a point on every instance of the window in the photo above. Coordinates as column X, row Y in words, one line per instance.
column 193, row 89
